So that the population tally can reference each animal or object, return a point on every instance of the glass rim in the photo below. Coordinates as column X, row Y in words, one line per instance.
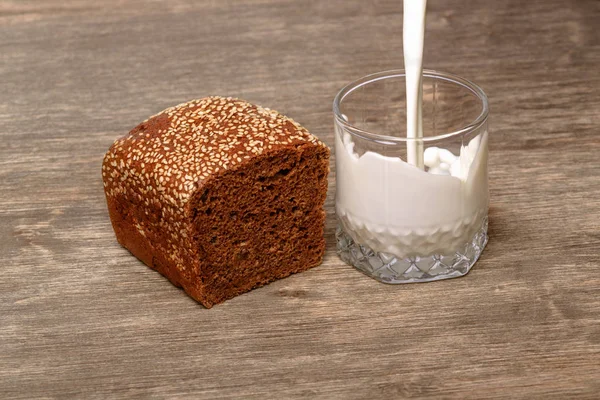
column 367, row 79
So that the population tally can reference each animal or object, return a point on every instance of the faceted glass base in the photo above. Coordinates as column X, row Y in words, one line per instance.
column 388, row 268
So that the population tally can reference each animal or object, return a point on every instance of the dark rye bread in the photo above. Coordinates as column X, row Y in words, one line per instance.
column 219, row 195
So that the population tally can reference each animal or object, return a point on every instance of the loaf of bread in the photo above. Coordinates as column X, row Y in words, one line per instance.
column 218, row 195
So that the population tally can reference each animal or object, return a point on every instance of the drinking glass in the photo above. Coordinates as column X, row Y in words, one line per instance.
column 398, row 222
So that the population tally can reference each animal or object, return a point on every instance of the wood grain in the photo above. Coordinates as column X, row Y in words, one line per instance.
column 81, row 318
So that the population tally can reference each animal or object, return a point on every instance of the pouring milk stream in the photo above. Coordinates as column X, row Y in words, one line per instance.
column 413, row 37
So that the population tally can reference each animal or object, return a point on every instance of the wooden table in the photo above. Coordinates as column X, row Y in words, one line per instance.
column 81, row 318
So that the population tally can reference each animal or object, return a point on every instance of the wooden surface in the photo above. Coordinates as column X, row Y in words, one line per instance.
column 81, row 318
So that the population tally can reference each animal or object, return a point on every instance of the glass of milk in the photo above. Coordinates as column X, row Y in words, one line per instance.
column 403, row 222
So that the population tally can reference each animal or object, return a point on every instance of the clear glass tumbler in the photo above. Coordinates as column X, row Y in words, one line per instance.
column 398, row 222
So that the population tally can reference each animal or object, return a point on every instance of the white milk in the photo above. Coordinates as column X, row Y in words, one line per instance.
column 397, row 207
column 406, row 211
